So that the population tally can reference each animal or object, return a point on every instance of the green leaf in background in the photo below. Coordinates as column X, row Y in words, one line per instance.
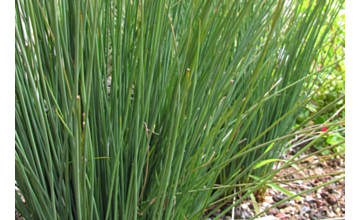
column 319, row 120
column 334, row 138
column 320, row 145
column 340, row 102
column 312, row 107
column 301, row 118
column 325, row 152
column 332, row 96
column 339, row 148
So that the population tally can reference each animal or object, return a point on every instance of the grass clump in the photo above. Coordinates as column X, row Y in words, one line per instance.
column 136, row 109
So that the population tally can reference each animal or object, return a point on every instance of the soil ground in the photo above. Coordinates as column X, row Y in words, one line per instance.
column 324, row 203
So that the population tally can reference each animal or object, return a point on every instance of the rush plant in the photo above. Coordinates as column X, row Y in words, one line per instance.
column 156, row 109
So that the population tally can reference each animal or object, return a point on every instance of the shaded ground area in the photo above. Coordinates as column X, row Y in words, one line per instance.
column 324, row 203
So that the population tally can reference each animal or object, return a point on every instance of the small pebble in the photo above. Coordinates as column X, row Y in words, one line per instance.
column 313, row 205
column 305, row 209
column 310, row 200
column 244, row 206
column 273, row 211
column 337, row 211
column 319, row 202
column 288, row 210
column 269, row 199
column 318, row 195
column 341, row 203
column 301, row 217
column 323, row 212
column 243, row 214
column 332, row 199
column 342, row 181
column 314, row 215
column 266, row 204
column 278, row 197
column 300, row 182
column 302, row 187
column 335, row 206
column 330, row 188
column 297, row 207
column 237, row 212
column 283, row 205
column 280, row 214
column 324, row 195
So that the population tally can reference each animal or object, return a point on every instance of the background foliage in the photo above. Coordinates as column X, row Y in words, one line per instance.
column 333, row 52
